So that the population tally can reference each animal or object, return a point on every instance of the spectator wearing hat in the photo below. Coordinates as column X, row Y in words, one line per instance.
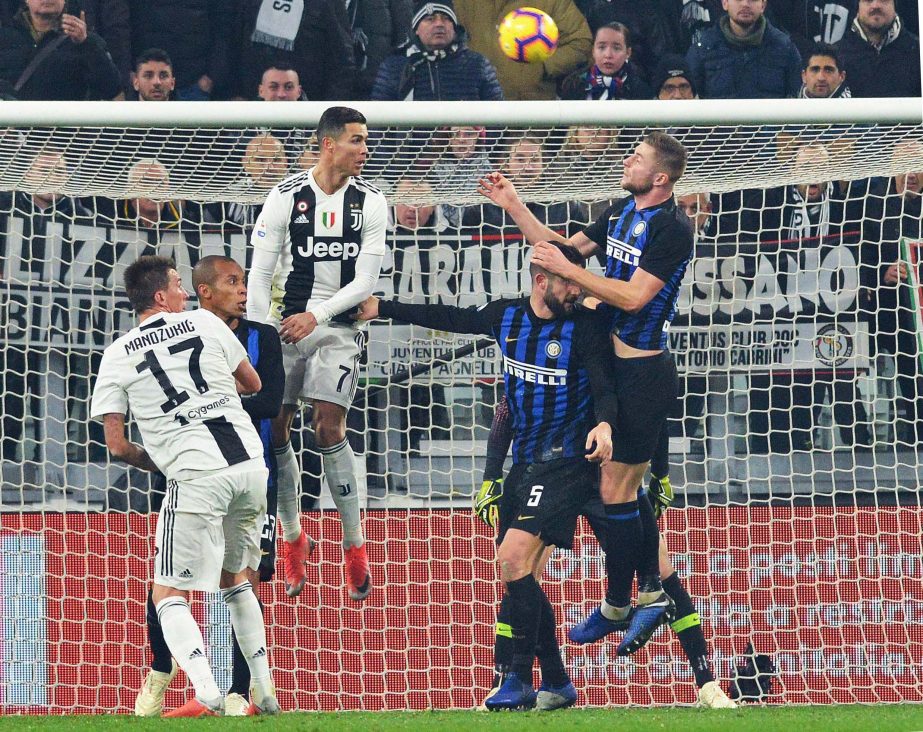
column 745, row 56
column 611, row 74
column 535, row 80
column 436, row 63
column 672, row 79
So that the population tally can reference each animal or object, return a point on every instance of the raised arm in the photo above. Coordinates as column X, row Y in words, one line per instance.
column 438, row 317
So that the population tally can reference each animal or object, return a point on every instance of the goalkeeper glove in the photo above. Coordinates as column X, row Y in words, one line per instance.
column 661, row 493
column 485, row 503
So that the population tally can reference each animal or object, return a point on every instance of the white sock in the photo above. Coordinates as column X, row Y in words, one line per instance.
column 288, row 485
column 340, row 469
column 184, row 639
column 247, row 621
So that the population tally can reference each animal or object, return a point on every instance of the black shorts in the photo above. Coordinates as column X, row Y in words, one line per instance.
column 267, row 566
column 544, row 499
column 646, row 388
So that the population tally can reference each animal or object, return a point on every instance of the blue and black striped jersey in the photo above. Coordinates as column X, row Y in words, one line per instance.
column 659, row 240
column 557, row 372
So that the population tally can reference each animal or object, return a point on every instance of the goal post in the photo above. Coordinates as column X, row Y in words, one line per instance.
column 793, row 448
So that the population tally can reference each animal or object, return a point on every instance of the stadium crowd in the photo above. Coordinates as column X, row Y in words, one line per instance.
column 403, row 50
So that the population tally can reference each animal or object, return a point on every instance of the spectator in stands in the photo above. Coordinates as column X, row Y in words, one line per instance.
column 523, row 162
column 895, row 214
column 110, row 20
column 816, row 215
column 317, row 44
column 153, row 79
column 378, row 28
column 152, row 209
column 587, row 151
column 48, row 173
column 611, row 74
column 528, row 81
column 436, row 63
column 417, row 228
column 654, row 25
column 72, row 62
column 745, row 57
column 881, row 58
column 672, row 79
column 280, row 83
column 458, row 169
column 823, row 76
column 698, row 209
column 809, row 22
column 196, row 34
column 265, row 163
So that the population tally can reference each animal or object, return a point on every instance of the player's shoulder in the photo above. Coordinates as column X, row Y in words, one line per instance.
column 294, row 183
column 365, row 186
column 671, row 218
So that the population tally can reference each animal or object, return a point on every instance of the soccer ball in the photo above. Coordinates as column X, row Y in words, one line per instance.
column 528, row 35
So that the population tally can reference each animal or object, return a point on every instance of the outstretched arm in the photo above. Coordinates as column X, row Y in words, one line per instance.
column 437, row 317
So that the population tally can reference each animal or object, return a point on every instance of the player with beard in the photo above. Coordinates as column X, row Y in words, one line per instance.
column 648, row 245
column 557, row 368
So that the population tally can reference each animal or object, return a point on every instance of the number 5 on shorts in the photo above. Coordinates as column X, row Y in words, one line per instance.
column 535, row 495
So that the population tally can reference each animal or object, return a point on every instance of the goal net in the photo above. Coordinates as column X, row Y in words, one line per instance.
column 793, row 451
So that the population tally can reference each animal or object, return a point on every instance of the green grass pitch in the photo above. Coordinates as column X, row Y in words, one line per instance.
column 875, row 718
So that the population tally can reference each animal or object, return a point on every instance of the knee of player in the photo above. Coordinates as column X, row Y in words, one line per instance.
column 514, row 564
column 329, row 430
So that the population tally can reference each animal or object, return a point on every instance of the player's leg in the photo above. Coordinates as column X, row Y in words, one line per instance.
column 187, row 558
column 298, row 546
column 149, row 702
column 237, row 701
column 242, row 529
column 331, row 379
column 556, row 690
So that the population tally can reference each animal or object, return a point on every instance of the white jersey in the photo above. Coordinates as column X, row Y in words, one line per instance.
column 315, row 252
column 175, row 374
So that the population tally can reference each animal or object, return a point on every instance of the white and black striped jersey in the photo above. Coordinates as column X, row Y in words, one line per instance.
column 175, row 374
column 316, row 252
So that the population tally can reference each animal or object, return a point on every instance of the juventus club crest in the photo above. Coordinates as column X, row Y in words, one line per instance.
column 355, row 219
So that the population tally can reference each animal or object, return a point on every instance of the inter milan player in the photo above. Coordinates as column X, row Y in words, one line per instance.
column 557, row 369
column 686, row 624
column 648, row 244
column 318, row 243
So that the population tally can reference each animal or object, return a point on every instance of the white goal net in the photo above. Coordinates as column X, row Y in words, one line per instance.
column 794, row 447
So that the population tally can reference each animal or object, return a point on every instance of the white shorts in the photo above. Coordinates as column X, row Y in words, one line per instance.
column 208, row 524
column 323, row 366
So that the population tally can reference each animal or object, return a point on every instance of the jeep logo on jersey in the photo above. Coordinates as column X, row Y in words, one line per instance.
column 328, row 219
column 355, row 219
column 328, row 250
column 622, row 252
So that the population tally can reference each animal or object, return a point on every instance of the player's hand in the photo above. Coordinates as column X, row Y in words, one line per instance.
column 298, row 326
column 485, row 503
column 368, row 309
column 896, row 273
column 498, row 189
column 74, row 28
column 549, row 257
column 661, row 493
column 599, row 444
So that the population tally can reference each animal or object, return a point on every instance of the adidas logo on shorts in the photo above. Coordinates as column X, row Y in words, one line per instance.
column 185, row 574
column 197, row 653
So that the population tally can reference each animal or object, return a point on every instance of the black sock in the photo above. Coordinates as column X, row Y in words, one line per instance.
column 649, row 565
column 623, row 550
column 689, row 630
column 163, row 659
column 526, row 614
column 240, row 671
column 547, row 649
column 503, row 639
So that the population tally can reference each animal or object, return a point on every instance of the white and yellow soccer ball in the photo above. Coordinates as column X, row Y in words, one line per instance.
column 528, row 35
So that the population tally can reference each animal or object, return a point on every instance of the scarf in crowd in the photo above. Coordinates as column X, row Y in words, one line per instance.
column 893, row 32
column 752, row 40
column 278, row 27
column 599, row 86
column 808, row 219
column 841, row 92
column 417, row 55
